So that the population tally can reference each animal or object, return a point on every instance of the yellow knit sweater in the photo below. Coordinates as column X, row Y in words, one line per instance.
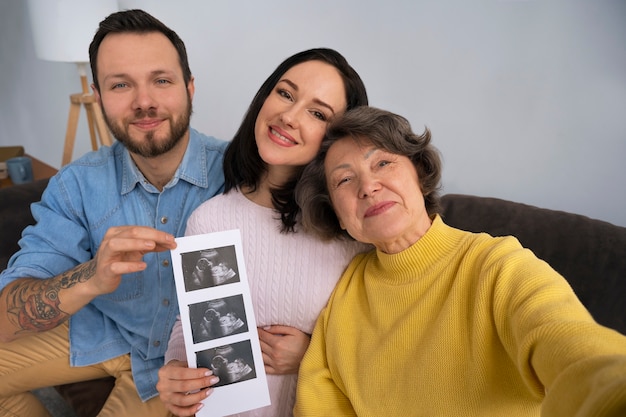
column 459, row 324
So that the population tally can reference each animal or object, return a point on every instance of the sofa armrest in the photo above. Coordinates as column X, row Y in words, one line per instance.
column 15, row 215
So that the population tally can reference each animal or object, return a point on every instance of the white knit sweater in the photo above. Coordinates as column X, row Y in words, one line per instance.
column 291, row 277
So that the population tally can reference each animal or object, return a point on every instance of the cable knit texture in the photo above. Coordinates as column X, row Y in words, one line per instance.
column 460, row 324
column 291, row 277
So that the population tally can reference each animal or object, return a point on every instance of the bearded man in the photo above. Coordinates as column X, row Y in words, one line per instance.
column 91, row 291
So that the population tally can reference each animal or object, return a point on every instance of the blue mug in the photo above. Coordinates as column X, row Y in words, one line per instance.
column 20, row 169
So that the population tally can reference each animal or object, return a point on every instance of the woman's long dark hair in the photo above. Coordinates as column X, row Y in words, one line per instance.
column 243, row 166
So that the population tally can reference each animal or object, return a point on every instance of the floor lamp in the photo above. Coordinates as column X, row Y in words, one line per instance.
column 62, row 31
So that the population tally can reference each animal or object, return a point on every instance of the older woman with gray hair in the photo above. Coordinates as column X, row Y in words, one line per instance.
column 438, row 321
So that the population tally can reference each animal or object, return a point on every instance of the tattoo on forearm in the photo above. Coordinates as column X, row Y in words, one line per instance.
column 35, row 306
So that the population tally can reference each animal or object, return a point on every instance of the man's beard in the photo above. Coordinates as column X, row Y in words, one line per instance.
column 149, row 148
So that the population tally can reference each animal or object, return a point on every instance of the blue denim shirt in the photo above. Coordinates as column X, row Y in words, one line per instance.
column 87, row 197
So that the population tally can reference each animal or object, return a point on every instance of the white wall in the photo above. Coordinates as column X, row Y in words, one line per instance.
column 525, row 99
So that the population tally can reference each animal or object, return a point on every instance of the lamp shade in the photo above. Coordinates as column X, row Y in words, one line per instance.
column 63, row 29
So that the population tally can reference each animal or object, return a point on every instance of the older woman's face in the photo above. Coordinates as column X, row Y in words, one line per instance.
column 376, row 195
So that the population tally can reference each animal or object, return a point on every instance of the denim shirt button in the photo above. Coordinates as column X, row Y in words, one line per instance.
column 156, row 343
column 165, row 262
column 166, row 302
column 163, row 219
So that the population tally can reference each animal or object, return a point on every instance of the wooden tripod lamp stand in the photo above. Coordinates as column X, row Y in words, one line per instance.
column 62, row 31
column 95, row 119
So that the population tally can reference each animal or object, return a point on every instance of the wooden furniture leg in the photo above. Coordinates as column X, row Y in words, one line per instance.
column 95, row 121
column 72, row 125
column 96, row 113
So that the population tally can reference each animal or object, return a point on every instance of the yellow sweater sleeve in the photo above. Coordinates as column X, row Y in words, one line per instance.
column 560, row 350
column 593, row 387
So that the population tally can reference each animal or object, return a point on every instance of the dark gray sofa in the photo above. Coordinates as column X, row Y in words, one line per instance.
column 590, row 253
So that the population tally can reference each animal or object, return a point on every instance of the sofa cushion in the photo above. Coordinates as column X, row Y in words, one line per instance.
column 87, row 398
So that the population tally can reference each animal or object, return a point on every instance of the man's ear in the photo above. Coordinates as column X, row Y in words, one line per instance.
column 96, row 94
column 191, row 89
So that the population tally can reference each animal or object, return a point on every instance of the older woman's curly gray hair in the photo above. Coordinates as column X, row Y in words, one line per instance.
column 384, row 130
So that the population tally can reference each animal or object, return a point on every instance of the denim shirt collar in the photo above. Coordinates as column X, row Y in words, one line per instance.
column 192, row 169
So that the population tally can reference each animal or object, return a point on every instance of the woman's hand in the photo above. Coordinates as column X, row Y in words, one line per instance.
column 181, row 388
column 283, row 348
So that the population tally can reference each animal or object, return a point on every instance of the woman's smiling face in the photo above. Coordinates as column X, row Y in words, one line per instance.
column 292, row 121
